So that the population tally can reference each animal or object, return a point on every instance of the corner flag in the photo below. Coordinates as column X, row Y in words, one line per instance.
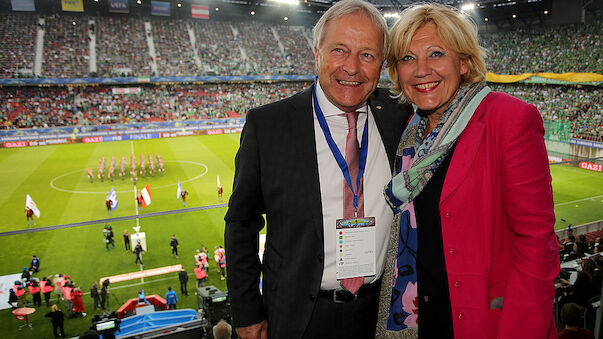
column 29, row 203
column 219, row 185
column 113, row 198
column 146, row 196
column 179, row 190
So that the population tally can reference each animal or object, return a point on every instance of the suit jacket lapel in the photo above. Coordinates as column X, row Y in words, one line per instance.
column 463, row 156
column 301, row 117
column 385, row 133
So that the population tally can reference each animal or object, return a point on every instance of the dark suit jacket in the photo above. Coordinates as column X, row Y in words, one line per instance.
column 277, row 175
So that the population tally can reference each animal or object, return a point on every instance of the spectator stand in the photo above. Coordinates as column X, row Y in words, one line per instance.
column 17, row 41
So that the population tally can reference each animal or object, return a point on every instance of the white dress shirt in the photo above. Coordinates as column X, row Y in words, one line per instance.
column 376, row 176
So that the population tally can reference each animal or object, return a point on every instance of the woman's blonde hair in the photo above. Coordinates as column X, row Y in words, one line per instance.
column 54, row 308
column 457, row 30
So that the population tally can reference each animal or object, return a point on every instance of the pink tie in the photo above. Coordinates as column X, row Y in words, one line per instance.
column 352, row 152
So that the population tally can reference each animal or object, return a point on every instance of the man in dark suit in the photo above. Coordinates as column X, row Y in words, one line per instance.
column 286, row 168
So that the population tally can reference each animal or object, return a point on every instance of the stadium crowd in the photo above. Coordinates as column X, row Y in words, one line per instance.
column 173, row 50
column 122, row 47
column 297, row 50
column 31, row 107
column 250, row 48
column 17, row 40
column 65, row 47
column 569, row 48
column 217, row 48
column 264, row 55
column 567, row 111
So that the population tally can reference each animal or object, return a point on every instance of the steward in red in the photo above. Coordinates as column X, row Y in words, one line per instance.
column 67, row 289
column 34, row 289
column 201, row 275
column 20, row 293
column 78, row 303
column 47, row 288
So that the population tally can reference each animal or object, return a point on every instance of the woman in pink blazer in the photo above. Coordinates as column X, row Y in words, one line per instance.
column 472, row 251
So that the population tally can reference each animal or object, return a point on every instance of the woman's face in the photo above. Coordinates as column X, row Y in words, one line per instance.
column 430, row 73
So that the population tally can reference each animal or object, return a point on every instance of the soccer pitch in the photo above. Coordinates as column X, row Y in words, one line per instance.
column 56, row 179
column 578, row 195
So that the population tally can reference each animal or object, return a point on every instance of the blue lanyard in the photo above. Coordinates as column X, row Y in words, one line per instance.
column 343, row 165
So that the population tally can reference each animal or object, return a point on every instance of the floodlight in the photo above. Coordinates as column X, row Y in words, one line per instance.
column 287, row 2
column 468, row 7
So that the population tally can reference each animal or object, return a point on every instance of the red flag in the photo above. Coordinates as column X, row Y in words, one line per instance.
column 146, row 196
column 200, row 12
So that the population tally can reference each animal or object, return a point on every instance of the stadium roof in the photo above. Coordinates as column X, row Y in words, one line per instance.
column 500, row 13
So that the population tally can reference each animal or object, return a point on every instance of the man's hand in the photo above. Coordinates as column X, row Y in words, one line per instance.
column 255, row 331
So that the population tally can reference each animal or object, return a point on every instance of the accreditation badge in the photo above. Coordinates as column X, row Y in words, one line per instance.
column 356, row 247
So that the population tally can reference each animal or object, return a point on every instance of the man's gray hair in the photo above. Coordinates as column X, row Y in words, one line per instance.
column 346, row 7
column 222, row 330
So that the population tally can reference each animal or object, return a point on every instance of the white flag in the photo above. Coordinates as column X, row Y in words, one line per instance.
column 29, row 203
column 179, row 190
column 219, row 185
column 113, row 198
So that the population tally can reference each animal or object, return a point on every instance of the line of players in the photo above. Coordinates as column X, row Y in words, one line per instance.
column 143, row 170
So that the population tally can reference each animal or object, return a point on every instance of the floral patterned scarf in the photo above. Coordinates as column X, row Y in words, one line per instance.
column 416, row 162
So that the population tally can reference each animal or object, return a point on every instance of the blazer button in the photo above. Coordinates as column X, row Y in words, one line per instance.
column 312, row 297
column 447, row 215
column 456, row 284
column 460, row 316
column 451, row 251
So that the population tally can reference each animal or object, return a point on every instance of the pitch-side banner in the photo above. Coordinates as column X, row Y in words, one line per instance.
column 72, row 5
column 200, row 12
column 6, row 283
column 160, row 8
column 23, row 5
column 118, row 6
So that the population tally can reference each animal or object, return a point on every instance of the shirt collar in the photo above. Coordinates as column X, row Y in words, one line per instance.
column 327, row 107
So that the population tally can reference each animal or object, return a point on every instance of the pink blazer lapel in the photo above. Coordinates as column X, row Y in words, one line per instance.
column 463, row 156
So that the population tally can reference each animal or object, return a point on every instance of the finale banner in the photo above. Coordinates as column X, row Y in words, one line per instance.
column 118, row 6
column 23, row 5
column 160, row 8
column 72, row 5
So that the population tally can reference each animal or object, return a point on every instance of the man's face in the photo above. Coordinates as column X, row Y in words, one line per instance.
column 349, row 60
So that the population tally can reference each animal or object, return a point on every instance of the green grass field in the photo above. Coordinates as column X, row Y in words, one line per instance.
column 55, row 177
column 578, row 195
column 80, row 251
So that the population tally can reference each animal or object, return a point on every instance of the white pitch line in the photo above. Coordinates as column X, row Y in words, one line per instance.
column 575, row 201
column 135, row 190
